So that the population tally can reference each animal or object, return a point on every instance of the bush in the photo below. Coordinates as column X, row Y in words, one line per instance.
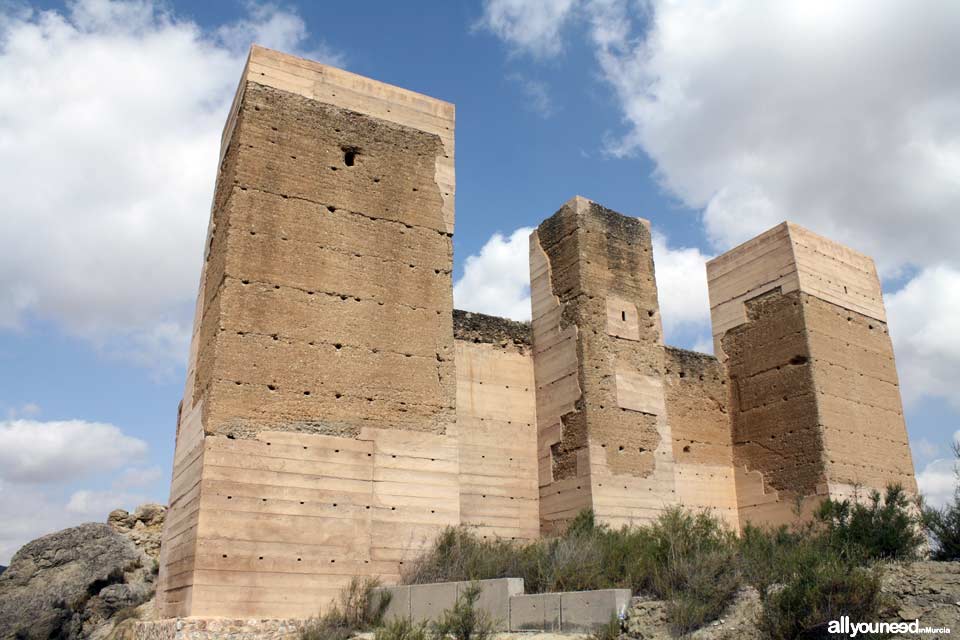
column 464, row 621
column 401, row 629
column 822, row 586
column 883, row 528
column 609, row 631
column 357, row 610
column 943, row 524
column 683, row 557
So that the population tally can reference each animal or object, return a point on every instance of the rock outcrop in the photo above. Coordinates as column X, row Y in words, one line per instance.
column 144, row 526
column 78, row 583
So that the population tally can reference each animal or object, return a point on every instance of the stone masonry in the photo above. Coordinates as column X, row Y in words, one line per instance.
column 338, row 413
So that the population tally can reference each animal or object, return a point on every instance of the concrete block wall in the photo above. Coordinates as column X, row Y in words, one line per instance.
column 509, row 608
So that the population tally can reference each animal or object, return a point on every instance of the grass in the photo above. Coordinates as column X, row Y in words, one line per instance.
column 697, row 564
column 360, row 608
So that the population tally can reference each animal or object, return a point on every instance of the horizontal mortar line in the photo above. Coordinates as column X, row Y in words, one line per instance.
column 312, row 343
column 343, row 394
column 324, row 205
column 776, row 367
column 857, row 371
column 877, row 352
column 349, row 516
column 222, row 539
column 332, row 294
column 778, row 400
column 353, row 254
column 863, row 404
column 745, row 294
column 865, row 435
column 420, row 482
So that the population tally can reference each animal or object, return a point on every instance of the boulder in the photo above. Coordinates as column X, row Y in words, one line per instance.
column 144, row 526
column 65, row 583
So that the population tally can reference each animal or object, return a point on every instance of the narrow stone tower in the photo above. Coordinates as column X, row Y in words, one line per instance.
column 604, row 442
column 312, row 439
column 800, row 324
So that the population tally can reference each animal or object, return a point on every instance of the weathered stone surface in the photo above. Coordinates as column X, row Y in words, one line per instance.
column 480, row 327
column 338, row 413
column 144, row 526
column 67, row 583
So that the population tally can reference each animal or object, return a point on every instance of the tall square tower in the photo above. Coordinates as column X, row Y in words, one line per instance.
column 313, row 439
column 800, row 324
column 604, row 442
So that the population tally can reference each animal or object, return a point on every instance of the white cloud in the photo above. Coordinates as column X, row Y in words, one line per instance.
column 27, row 512
column 536, row 93
column 137, row 477
column 110, row 118
column 838, row 116
column 86, row 505
column 937, row 481
column 925, row 449
column 531, row 27
column 681, row 287
column 924, row 319
column 497, row 280
column 63, row 451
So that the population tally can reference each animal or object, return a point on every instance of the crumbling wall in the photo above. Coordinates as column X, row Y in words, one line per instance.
column 800, row 325
column 496, row 427
column 316, row 436
column 610, row 446
column 697, row 401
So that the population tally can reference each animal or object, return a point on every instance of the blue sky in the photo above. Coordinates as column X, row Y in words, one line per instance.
column 714, row 122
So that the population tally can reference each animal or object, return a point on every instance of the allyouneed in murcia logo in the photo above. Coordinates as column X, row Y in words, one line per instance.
column 853, row 629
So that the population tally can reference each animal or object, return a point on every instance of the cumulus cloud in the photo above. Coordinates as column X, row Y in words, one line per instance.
column 497, row 280
column 62, row 451
column 937, row 482
column 531, row 27
column 838, row 116
column 41, row 464
column 87, row 505
column 681, row 286
column 110, row 118
column 924, row 318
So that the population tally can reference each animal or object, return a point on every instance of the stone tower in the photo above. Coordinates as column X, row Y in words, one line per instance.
column 313, row 439
column 800, row 324
column 604, row 442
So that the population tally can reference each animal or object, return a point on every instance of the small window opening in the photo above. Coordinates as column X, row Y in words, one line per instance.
column 623, row 316
column 349, row 157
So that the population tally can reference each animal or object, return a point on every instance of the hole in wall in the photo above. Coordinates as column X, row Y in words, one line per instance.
column 349, row 156
column 623, row 316
column 795, row 360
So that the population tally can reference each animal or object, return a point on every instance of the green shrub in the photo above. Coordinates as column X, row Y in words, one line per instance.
column 821, row 586
column 882, row 528
column 609, row 631
column 357, row 610
column 464, row 621
column 401, row 629
column 943, row 524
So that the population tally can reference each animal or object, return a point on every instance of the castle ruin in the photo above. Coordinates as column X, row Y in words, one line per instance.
column 338, row 413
